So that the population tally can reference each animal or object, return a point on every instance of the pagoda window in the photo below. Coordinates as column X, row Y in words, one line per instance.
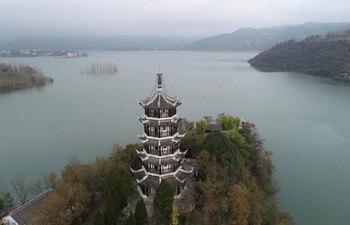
column 166, row 150
column 164, row 113
column 167, row 168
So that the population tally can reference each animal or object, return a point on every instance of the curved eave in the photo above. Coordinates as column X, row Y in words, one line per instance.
column 143, row 170
column 144, row 137
column 159, row 98
column 144, row 154
column 187, row 171
column 173, row 119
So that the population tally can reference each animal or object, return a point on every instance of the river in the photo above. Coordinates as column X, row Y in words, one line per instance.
column 304, row 119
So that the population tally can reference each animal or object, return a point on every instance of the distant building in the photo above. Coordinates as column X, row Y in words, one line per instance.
column 23, row 214
column 161, row 155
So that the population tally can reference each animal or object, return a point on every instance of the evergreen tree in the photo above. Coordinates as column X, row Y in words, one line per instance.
column 163, row 202
column 131, row 219
column 98, row 219
column 141, row 213
column 125, row 186
column 110, row 212
column 1, row 206
column 7, row 201
column 126, row 221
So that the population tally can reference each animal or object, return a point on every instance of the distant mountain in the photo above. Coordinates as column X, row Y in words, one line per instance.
column 324, row 56
column 94, row 43
column 264, row 38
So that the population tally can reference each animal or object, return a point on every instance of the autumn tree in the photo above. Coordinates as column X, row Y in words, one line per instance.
column 240, row 205
column 141, row 213
column 175, row 214
column 83, row 173
column 163, row 202
column 65, row 206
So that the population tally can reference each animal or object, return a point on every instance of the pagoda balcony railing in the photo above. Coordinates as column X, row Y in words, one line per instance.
column 160, row 114
column 161, row 134
column 161, row 151
column 160, row 172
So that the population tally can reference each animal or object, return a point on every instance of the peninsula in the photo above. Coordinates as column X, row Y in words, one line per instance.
column 15, row 77
column 319, row 55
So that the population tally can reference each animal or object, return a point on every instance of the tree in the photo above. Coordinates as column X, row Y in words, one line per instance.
column 131, row 219
column 1, row 206
column 228, row 122
column 201, row 126
column 240, row 206
column 98, row 218
column 83, row 173
column 174, row 214
column 141, row 213
column 6, row 198
column 163, row 202
column 20, row 187
column 119, row 181
column 50, row 180
column 65, row 206
column 240, row 141
column 220, row 146
column 111, row 213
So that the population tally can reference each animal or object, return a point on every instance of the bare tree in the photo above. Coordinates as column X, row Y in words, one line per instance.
column 50, row 181
column 20, row 187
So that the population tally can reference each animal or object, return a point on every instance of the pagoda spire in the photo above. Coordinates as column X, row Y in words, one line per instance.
column 160, row 81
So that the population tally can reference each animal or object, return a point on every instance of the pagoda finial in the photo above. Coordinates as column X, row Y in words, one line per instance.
column 160, row 81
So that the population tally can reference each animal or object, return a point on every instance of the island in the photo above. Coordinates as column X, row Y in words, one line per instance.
column 15, row 77
column 319, row 55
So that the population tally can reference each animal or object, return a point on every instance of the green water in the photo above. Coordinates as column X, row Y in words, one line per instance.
column 303, row 119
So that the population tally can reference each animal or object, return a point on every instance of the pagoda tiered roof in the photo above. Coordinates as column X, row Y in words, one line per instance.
column 153, row 121
column 150, row 179
column 160, row 100
column 150, row 140
column 165, row 159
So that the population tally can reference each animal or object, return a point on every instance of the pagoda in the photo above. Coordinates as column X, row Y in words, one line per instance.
column 161, row 156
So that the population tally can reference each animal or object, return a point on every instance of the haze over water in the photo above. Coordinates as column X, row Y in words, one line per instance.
column 302, row 118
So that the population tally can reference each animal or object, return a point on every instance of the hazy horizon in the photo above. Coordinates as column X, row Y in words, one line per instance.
column 154, row 18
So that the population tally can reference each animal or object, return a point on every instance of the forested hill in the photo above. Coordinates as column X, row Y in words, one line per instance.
column 264, row 38
column 231, row 184
column 324, row 56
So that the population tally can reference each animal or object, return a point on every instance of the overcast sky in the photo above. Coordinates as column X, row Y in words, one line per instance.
column 180, row 18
